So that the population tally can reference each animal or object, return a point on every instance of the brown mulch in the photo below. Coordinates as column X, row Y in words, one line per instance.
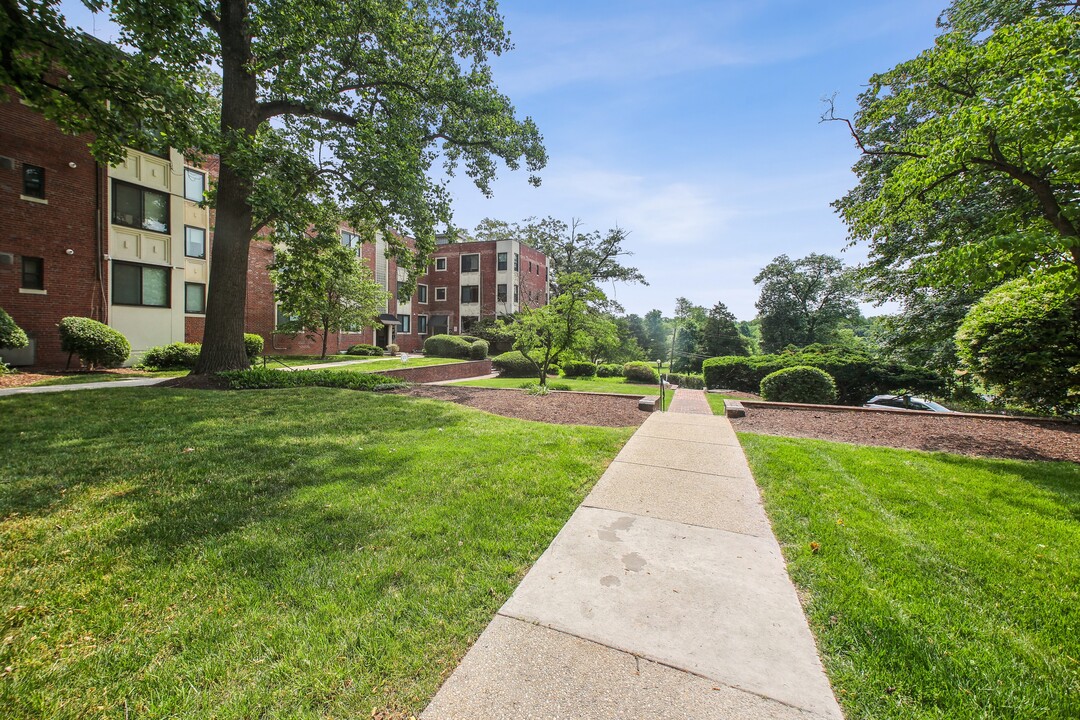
column 22, row 379
column 564, row 408
column 197, row 382
column 1017, row 439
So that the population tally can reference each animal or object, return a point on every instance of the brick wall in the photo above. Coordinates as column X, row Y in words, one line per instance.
column 437, row 373
column 69, row 220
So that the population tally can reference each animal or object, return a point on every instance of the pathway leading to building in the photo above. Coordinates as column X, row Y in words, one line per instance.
column 665, row 595
column 38, row 389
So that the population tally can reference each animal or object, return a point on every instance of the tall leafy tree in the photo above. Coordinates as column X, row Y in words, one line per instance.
column 350, row 103
column 656, row 327
column 803, row 301
column 720, row 336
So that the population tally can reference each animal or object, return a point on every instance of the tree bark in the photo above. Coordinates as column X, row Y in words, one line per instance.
column 223, row 338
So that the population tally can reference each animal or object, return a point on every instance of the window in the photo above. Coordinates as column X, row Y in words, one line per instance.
column 421, row 324
column 403, row 324
column 500, row 292
column 470, row 293
column 517, row 262
column 469, row 323
column 440, row 324
column 421, row 294
column 440, row 264
column 194, row 242
column 470, row 263
column 33, row 273
column 515, row 293
column 140, row 285
column 138, row 207
column 537, row 268
column 501, row 260
column 350, row 240
column 283, row 320
column 194, row 185
column 530, row 266
column 402, row 296
column 194, row 298
column 440, row 294
column 33, row 180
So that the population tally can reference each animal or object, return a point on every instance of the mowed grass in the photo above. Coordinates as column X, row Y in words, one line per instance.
column 941, row 586
column 285, row 553
column 393, row 364
column 716, row 402
column 599, row 385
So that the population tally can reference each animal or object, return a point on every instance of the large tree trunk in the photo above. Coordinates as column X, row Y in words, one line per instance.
column 223, row 339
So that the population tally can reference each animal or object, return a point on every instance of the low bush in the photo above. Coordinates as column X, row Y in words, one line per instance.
column 11, row 335
column 364, row 350
column 689, row 381
column 640, row 372
column 96, row 344
column 253, row 345
column 469, row 338
column 393, row 348
column 447, row 346
column 478, row 350
column 514, row 365
column 177, row 356
column 575, row 368
column 266, row 378
column 609, row 370
column 799, row 384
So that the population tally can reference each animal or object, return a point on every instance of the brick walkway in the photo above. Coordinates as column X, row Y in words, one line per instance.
column 690, row 402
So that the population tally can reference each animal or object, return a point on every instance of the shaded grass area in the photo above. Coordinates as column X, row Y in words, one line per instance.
column 394, row 364
column 305, row 359
column 599, row 385
column 285, row 553
column 941, row 586
column 92, row 377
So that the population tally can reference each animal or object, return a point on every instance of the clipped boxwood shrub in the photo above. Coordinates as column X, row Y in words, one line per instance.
column 469, row 338
column 364, row 350
column 266, row 378
column 640, row 372
column 177, row 356
column 11, row 335
column 687, row 380
column 799, row 384
column 253, row 344
column 478, row 350
column 609, row 370
column 514, row 365
column 448, row 346
column 96, row 344
column 576, row 368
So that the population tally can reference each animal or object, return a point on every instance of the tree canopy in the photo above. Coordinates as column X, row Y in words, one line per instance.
column 803, row 301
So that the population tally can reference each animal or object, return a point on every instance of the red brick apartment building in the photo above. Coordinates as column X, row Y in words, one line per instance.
column 129, row 245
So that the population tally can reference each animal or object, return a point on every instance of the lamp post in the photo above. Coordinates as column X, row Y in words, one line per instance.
column 659, row 366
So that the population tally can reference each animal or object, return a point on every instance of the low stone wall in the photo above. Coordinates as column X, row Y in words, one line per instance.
column 438, row 373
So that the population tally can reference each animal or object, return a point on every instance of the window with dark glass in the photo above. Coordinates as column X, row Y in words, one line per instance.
column 33, row 273
column 350, row 240
column 194, row 298
column 138, row 207
column 421, row 293
column 194, row 242
column 470, row 263
column 515, row 293
column 517, row 262
column 440, row 294
column 501, row 260
column 403, row 324
column 500, row 292
column 421, row 324
column 470, row 293
column 440, row 264
column 194, row 185
column 33, row 181
column 144, row 285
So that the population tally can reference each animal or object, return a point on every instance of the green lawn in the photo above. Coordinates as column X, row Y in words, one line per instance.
column 92, row 377
column 285, row 553
column 716, row 402
column 600, row 385
column 393, row 364
column 942, row 586
column 307, row 359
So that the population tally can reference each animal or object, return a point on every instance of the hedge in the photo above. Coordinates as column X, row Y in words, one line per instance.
column 266, row 378
column 640, row 372
column 799, row 384
column 858, row 376
column 96, row 344
column 687, row 380
column 478, row 349
column 609, row 370
column 253, row 344
column 514, row 365
column 575, row 368
column 448, row 346
column 11, row 335
column 177, row 356
column 364, row 350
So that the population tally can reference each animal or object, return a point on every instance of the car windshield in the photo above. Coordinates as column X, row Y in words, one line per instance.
column 935, row 407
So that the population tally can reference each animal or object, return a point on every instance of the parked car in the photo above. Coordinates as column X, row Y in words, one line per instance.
column 903, row 402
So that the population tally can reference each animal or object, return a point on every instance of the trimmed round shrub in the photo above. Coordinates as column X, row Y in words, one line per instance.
column 364, row 350
column 11, row 335
column 469, row 338
column 253, row 344
column 609, row 370
column 177, row 356
column 514, row 365
column 640, row 372
column 96, row 344
column 799, row 384
column 478, row 350
column 447, row 346
column 575, row 368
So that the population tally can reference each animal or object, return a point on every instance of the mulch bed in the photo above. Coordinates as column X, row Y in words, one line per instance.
column 1021, row 440
column 563, row 408
column 22, row 379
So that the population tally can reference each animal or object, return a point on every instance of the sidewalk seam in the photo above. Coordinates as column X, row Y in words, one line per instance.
column 678, row 522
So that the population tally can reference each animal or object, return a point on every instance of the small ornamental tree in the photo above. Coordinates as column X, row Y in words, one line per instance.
column 1023, row 340
column 11, row 335
column 96, row 344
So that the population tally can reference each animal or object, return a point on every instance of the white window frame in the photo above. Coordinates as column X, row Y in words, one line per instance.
column 421, row 320
column 189, row 172
column 441, row 260
column 461, row 263
column 439, row 290
column 418, row 300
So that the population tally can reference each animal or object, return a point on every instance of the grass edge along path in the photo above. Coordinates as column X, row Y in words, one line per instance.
column 938, row 586
column 291, row 553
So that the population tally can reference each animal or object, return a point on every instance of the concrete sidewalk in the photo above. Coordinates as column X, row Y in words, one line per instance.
column 30, row 390
column 664, row 595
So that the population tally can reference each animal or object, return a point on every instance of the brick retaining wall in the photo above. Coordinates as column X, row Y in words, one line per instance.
column 436, row 373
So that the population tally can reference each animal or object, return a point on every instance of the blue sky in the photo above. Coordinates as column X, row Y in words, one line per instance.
column 694, row 126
